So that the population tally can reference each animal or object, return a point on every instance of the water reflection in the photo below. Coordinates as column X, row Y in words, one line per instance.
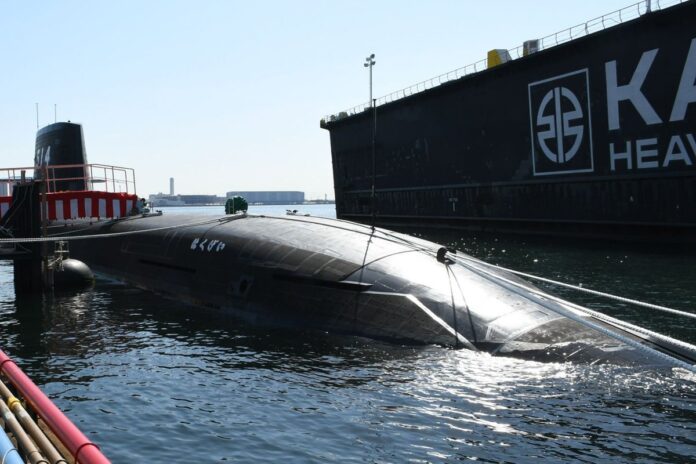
column 147, row 377
column 556, row 411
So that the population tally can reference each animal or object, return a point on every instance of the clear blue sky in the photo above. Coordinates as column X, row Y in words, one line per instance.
column 227, row 95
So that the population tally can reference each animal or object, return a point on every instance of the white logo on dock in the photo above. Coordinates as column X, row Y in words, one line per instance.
column 561, row 134
column 558, row 124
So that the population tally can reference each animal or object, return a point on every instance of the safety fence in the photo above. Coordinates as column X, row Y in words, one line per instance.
column 594, row 25
column 93, row 177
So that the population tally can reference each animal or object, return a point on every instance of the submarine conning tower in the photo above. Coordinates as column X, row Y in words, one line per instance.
column 64, row 188
column 62, row 144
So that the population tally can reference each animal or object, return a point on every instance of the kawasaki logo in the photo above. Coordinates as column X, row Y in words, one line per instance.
column 558, row 124
column 561, row 133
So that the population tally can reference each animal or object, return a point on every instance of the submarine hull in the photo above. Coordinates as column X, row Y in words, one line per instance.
column 346, row 278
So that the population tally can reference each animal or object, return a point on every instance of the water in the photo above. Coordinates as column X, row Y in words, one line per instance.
column 151, row 380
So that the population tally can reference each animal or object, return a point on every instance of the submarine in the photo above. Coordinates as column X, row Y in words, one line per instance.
column 343, row 277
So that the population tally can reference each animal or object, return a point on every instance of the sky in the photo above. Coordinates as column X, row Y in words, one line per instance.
column 227, row 95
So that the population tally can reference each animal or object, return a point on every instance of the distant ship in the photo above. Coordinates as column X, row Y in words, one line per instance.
column 594, row 137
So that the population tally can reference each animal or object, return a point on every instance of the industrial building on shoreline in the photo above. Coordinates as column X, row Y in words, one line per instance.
column 258, row 197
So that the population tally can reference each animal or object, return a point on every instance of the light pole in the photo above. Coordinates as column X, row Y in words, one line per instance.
column 369, row 63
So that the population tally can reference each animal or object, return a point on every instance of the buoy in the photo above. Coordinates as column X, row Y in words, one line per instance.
column 72, row 274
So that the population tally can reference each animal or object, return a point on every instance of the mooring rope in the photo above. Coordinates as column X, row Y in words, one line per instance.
column 63, row 238
column 612, row 320
column 626, row 325
column 454, row 307
column 538, row 297
column 466, row 305
column 584, row 290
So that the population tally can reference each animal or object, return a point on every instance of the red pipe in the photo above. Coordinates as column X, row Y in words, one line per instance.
column 82, row 450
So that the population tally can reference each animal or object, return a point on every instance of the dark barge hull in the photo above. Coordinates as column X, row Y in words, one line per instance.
column 592, row 138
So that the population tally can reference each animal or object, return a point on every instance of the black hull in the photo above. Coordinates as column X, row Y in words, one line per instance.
column 593, row 138
column 637, row 233
column 347, row 278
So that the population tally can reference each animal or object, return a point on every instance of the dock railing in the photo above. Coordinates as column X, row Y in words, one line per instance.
column 588, row 27
column 98, row 177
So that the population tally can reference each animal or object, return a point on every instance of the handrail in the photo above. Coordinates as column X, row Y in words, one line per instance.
column 102, row 177
column 588, row 27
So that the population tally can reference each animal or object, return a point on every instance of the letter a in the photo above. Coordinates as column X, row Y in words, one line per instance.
column 676, row 151
column 687, row 87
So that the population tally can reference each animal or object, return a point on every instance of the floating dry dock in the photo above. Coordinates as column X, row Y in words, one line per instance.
column 35, row 430
column 591, row 136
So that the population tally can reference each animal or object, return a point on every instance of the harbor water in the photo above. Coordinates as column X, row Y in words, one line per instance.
column 154, row 380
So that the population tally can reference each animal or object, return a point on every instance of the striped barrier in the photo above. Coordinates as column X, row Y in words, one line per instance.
column 85, row 204
column 73, row 205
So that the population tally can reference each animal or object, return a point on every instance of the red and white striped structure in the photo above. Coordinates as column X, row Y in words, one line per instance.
column 83, row 204
column 89, row 204
column 113, row 200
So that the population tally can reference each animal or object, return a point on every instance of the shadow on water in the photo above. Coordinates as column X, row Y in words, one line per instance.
column 43, row 331
column 228, row 343
column 113, row 319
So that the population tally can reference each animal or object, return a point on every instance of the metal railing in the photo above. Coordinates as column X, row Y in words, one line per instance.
column 593, row 25
column 99, row 177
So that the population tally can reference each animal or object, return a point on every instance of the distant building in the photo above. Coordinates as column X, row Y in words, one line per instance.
column 270, row 198
column 201, row 199
column 171, row 186
column 162, row 199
